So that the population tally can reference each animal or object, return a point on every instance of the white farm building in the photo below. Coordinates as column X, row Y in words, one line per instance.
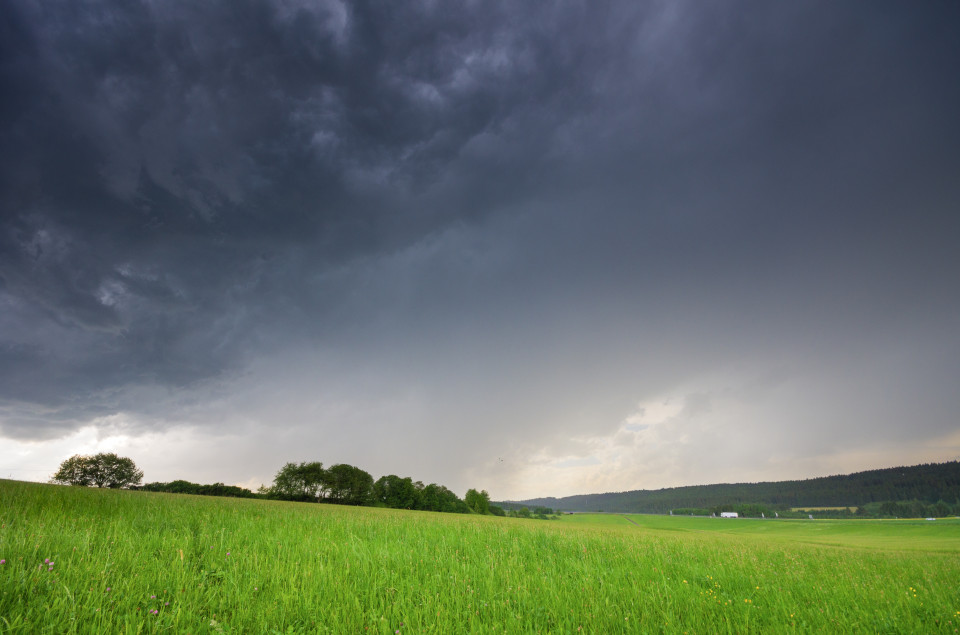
column 728, row 514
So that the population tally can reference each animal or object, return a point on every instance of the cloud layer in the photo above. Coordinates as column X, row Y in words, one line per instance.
column 475, row 243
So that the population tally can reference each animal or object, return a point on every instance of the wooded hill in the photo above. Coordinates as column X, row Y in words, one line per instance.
column 927, row 483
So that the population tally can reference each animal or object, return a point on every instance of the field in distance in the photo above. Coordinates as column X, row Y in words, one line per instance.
column 918, row 535
column 817, row 509
column 83, row 560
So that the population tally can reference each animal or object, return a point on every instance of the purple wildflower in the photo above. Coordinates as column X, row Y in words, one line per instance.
column 153, row 597
column 3, row 562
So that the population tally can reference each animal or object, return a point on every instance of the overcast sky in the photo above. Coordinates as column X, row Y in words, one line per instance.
column 537, row 248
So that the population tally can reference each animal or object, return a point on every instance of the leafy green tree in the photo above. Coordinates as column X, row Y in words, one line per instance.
column 396, row 492
column 73, row 471
column 349, row 485
column 104, row 469
column 316, row 479
column 429, row 500
column 122, row 472
column 450, row 502
column 288, row 484
column 301, row 482
column 437, row 498
column 478, row 502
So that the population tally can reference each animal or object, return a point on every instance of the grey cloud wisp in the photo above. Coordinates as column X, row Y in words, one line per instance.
column 421, row 238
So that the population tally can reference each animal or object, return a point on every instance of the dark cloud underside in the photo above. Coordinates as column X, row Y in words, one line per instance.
column 570, row 207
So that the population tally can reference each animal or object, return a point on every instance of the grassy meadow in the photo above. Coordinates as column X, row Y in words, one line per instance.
column 84, row 560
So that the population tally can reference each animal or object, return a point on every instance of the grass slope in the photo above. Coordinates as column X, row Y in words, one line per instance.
column 136, row 562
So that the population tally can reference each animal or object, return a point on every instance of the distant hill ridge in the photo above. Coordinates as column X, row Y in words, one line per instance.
column 929, row 483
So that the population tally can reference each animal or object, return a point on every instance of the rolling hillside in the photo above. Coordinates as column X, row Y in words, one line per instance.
column 928, row 483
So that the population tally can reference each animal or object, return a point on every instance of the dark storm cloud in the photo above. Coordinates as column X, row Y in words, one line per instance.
column 172, row 171
column 190, row 187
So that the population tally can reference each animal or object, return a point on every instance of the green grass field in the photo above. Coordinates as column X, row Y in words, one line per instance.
column 82, row 560
column 942, row 535
column 816, row 509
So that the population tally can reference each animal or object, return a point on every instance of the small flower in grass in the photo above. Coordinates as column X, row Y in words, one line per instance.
column 3, row 562
column 153, row 597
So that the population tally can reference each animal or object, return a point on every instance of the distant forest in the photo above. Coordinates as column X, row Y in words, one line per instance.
column 927, row 484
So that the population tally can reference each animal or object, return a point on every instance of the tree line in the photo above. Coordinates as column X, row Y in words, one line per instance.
column 306, row 482
column 310, row 481
column 186, row 487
